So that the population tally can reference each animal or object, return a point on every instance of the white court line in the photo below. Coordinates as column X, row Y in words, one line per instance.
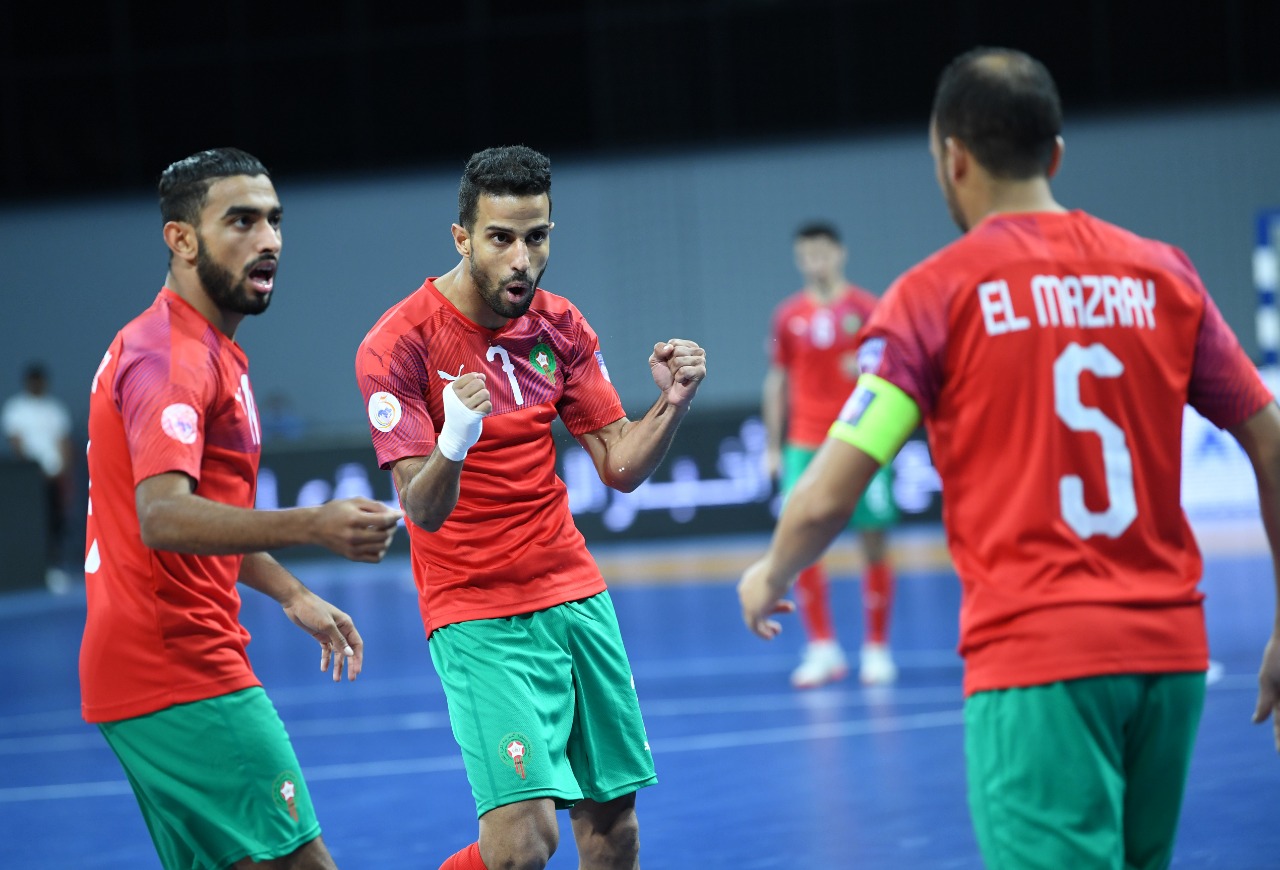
column 401, row 767
column 673, row 745
column 653, row 708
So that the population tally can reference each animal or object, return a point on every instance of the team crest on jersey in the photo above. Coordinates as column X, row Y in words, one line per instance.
column 179, row 421
column 870, row 355
column 515, row 752
column 285, row 792
column 604, row 369
column 544, row 360
column 851, row 323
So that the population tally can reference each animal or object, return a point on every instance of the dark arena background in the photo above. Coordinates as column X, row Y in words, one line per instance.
column 688, row 141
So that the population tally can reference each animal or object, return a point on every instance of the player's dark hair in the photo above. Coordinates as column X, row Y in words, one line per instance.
column 184, row 186
column 818, row 230
column 511, row 170
column 1003, row 105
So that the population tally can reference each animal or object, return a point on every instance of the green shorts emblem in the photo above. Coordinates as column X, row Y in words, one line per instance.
column 515, row 751
column 285, row 790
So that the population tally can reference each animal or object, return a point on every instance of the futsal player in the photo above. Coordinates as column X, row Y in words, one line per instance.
column 174, row 443
column 1051, row 355
column 813, row 366
column 462, row 380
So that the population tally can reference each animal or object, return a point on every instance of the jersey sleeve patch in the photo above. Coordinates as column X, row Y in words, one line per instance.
column 385, row 411
column 180, row 422
column 877, row 418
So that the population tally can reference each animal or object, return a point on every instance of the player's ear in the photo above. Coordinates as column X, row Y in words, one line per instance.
column 1055, row 161
column 461, row 240
column 180, row 236
column 955, row 159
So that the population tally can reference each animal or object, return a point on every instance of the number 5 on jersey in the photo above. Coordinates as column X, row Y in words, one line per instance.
column 1117, row 462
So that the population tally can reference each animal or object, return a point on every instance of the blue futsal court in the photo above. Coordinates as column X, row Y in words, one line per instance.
column 752, row 774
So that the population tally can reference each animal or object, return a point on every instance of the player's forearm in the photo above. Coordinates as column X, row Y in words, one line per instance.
column 641, row 447
column 1260, row 438
column 431, row 492
column 196, row 525
column 773, row 407
column 818, row 509
column 260, row 571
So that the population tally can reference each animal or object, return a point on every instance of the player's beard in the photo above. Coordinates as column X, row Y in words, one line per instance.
column 223, row 288
column 492, row 293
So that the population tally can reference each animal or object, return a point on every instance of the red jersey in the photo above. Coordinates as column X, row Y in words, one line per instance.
column 171, row 394
column 510, row 545
column 817, row 345
column 1051, row 356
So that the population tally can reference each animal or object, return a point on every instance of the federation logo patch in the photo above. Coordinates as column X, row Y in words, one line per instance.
column 285, row 792
column 384, row 411
column 179, row 421
column 544, row 361
column 515, row 752
column 856, row 405
column 870, row 355
column 604, row 369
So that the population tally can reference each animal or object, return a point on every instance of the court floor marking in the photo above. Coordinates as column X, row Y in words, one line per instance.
column 452, row 762
column 654, row 706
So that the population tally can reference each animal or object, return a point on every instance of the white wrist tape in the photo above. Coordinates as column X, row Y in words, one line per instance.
column 461, row 427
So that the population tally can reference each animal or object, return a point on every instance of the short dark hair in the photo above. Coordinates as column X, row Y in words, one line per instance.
column 510, row 170
column 184, row 186
column 818, row 230
column 1003, row 105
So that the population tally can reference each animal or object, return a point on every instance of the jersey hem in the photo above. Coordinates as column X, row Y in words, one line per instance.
column 991, row 682
column 170, row 698
column 516, row 608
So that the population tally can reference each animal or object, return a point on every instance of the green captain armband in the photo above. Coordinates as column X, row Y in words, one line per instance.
column 877, row 418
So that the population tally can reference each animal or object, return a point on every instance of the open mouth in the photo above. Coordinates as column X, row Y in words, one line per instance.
column 517, row 290
column 262, row 277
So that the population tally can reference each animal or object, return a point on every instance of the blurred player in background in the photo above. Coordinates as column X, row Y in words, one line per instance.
column 174, row 443
column 38, row 427
column 1051, row 355
column 462, row 380
column 813, row 367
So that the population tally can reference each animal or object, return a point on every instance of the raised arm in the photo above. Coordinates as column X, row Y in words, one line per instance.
column 1260, row 438
column 172, row 517
column 626, row 452
column 429, row 485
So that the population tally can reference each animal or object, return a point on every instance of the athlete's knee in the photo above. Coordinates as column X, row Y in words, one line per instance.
column 610, row 836
column 520, row 836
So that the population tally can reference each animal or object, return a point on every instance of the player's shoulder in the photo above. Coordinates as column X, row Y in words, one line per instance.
column 405, row 317
column 552, row 305
column 168, row 327
column 797, row 300
column 1143, row 250
column 556, row 311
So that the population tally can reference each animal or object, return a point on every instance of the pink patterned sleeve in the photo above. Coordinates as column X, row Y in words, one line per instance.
column 906, row 337
column 1225, row 385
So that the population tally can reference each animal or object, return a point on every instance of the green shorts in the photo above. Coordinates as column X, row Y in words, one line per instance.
column 544, row 705
column 1081, row 773
column 876, row 509
column 217, row 781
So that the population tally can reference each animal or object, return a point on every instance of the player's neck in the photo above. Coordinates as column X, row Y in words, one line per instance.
column 194, row 294
column 1019, row 197
column 456, row 286
column 825, row 291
